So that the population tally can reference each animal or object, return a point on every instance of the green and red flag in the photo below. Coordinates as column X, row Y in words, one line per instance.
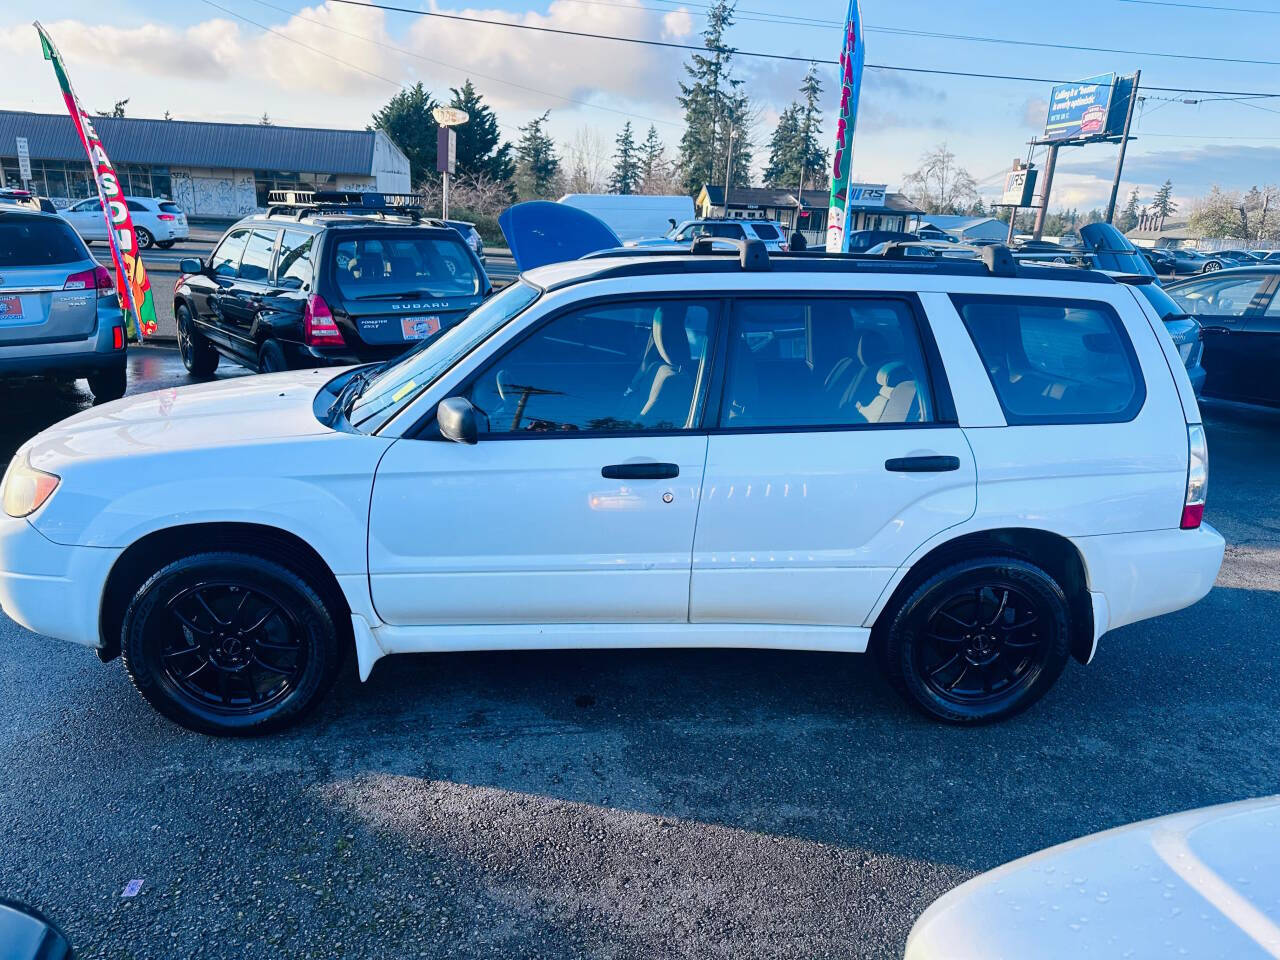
column 132, row 285
column 852, row 58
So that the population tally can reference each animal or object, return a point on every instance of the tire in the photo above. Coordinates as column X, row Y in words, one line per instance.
column 145, row 240
column 107, row 385
column 1211, row 266
column 271, row 358
column 1000, row 666
column 230, row 644
column 165, row 244
column 198, row 354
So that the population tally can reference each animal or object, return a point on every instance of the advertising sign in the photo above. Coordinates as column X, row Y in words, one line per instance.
column 1080, row 109
column 1019, row 187
column 866, row 196
column 446, row 150
column 24, row 160
column 852, row 57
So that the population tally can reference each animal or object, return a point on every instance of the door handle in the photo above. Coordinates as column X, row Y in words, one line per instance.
column 640, row 471
column 1214, row 331
column 931, row 464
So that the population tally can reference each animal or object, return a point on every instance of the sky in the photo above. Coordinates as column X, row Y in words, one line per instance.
column 331, row 64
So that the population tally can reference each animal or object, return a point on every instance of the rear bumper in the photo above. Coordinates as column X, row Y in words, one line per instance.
column 50, row 588
column 1134, row 576
column 67, row 357
column 299, row 355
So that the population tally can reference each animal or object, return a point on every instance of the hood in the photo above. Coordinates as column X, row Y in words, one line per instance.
column 1112, row 250
column 246, row 409
column 541, row 232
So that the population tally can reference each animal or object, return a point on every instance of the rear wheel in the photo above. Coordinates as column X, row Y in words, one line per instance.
column 978, row 641
column 271, row 358
column 230, row 644
column 198, row 354
column 106, row 385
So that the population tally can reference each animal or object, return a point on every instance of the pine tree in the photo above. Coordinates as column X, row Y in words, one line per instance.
column 537, row 166
column 1162, row 204
column 626, row 163
column 784, row 157
column 813, row 157
column 1128, row 218
column 714, row 110
column 651, row 152
column 265, row 120
column 407, row 120
column 480, row 150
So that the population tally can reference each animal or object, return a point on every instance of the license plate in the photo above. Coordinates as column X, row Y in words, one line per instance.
column 10, row 308
column 419, row 328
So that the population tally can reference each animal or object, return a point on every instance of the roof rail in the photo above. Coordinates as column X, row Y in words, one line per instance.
column 302, row 203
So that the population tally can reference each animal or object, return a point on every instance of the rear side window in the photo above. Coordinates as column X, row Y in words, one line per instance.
column 256, row 263
column 38, row 242
column 293, row 266
column 136, row 207
column 824, row 363
column 169, row 207
column 376, row 266
column 1055, row 361
column 766, row 231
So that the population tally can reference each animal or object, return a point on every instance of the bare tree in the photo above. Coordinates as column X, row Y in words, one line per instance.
column 939, row 184
column 588, row 161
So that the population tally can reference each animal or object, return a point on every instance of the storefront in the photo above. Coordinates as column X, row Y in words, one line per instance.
column 873, row 208
column 209, row 169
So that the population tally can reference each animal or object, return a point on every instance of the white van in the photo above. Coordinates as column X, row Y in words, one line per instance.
column 634, row 216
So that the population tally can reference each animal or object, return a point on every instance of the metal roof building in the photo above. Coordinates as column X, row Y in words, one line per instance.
column 877, row 208
column 210, row 169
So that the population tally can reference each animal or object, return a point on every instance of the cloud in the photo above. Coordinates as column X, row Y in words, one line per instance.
column 294, row 56
column 1193, row 170
column 210, row 49
column 1034, row 111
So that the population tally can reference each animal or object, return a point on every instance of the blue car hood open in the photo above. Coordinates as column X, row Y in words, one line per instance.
column 541, row 232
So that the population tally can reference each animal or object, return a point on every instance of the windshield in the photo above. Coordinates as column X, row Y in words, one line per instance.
column 404, row 263
column 398, row 385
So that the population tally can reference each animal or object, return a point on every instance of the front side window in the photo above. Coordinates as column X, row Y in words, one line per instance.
column 1055, row 361
column 824, row 362
column 600, row 369
column 293, row 267
column 256, row 263
column 1219, row 296
column 374, row 266
column 226, row 258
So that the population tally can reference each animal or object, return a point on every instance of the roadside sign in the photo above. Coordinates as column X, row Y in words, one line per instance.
column 24, row 160
column 1019, row 187
column 864, row 196
column 450, row 116
column 1080, row 109
column 446, row 150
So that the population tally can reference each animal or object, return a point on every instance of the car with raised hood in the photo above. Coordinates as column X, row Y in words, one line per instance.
column 974, row 469
column 59, row 315
column 157, row 221
column 325, row 279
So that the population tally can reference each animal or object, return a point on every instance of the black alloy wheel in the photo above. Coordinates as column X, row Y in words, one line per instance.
column 198, row 354
column 229, row 643
column 978, row 641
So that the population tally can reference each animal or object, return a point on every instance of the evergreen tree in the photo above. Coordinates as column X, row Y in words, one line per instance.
column 480, row 150
column 651, row 152
column 537, row 166
column 626, row 162
column 794, row 150
column 1128, row 218
column 407, row 120
column 715, row 111
column 1162, row 204
column 783, row 154
column 265, row 120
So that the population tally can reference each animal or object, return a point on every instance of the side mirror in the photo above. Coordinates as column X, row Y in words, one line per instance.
column 191, row 265
column 456, row 418
column 27, row 934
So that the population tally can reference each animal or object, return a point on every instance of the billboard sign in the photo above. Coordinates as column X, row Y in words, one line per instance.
column 1019, row 187
column 866, row 196
column 1080, row 109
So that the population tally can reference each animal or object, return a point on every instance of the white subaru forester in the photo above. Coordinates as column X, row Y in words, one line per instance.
column 975, row 469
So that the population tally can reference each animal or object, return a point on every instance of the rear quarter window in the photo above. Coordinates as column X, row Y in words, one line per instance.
column 766, row 231
column 169, row 207
column 1055, row 360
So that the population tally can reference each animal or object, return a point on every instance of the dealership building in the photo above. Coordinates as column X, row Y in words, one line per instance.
column 871, row 207
column 209, row 169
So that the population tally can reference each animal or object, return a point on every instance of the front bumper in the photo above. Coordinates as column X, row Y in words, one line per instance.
column 50, row 588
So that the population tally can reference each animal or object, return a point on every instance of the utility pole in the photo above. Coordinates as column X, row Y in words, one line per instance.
column 1043, row 212
column 1124, row 142
column 728, row 173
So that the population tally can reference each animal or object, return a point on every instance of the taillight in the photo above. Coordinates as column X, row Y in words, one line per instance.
column 319, row 329
column 99, row 278
column 1197, row 477
column 117, row 338
column 165, row 216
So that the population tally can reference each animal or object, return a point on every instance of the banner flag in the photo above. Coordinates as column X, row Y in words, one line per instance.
column 132, row 285
column 852, row 57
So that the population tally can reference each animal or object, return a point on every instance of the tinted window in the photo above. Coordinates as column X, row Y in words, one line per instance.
column 135, row 207
column 38, row 242
column 256, row 263
column 1055, row 361
column 88, row 205
column 169, row 207
column 824, row 362
column 1219, row 296
column 224, row 260
column 293, row 267
column 404, row 263
column 612, row 367
column 765, row 231
column 1165, row 305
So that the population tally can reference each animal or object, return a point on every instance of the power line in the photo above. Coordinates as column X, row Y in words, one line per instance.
column 765, row 55
column 1197, row 6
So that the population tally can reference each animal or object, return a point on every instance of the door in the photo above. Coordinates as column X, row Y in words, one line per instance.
column 578, row 502
column 834, row 460
column 87, row 219
column 1261, row 337
column 1222, row 303
column 206, row 287
column 240, row 300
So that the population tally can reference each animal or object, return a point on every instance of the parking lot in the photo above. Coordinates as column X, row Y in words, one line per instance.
column 615, row 804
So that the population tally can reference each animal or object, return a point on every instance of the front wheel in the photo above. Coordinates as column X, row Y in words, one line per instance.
column 978, row 641
column 230, row 644
column 198, row 354
column 145, row 240
column 1211, row 266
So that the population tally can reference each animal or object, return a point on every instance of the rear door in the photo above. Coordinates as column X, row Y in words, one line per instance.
column 47, row 290
column 1262, row 348
column 836, row 454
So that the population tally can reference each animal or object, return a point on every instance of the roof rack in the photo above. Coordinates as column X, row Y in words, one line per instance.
column 303, row 203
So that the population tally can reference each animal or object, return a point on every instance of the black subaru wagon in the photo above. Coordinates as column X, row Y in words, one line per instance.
column 325, row 279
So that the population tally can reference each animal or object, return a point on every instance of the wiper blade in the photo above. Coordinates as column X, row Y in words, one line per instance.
column 347, row 395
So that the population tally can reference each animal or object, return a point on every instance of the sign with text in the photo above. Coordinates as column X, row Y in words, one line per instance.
column 24, row 160
column 1019, row 187
column 446, row 150
column 1080, row 109
column 866, row 196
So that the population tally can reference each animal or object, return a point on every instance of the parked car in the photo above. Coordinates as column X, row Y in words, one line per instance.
column 157, row 221
column 933, row 233
column 25, row 198
column 469, row 234
column 1187, row 260
column 59, row 315
column 975, row 469
column 337, row 280
column 1048, row 252
column 925, row 249
column 861, row 241
column 1225, row 259
column 770, row 232
column 1183, row 328
column 1239, row 313
column 1161, row 260
column 1266, row 256
column 1202, row 883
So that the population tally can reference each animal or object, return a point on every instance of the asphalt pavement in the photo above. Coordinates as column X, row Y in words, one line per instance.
column 615, row 804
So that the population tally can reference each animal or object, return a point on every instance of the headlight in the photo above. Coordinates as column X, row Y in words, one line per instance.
column 26, row 488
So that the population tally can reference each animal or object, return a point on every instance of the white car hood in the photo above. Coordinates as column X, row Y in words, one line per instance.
column 219, row 414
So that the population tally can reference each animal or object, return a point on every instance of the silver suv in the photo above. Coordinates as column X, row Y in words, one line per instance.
column 59, row 315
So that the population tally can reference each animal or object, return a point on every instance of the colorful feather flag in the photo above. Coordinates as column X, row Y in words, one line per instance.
column 132, row 285
column 852, row 57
